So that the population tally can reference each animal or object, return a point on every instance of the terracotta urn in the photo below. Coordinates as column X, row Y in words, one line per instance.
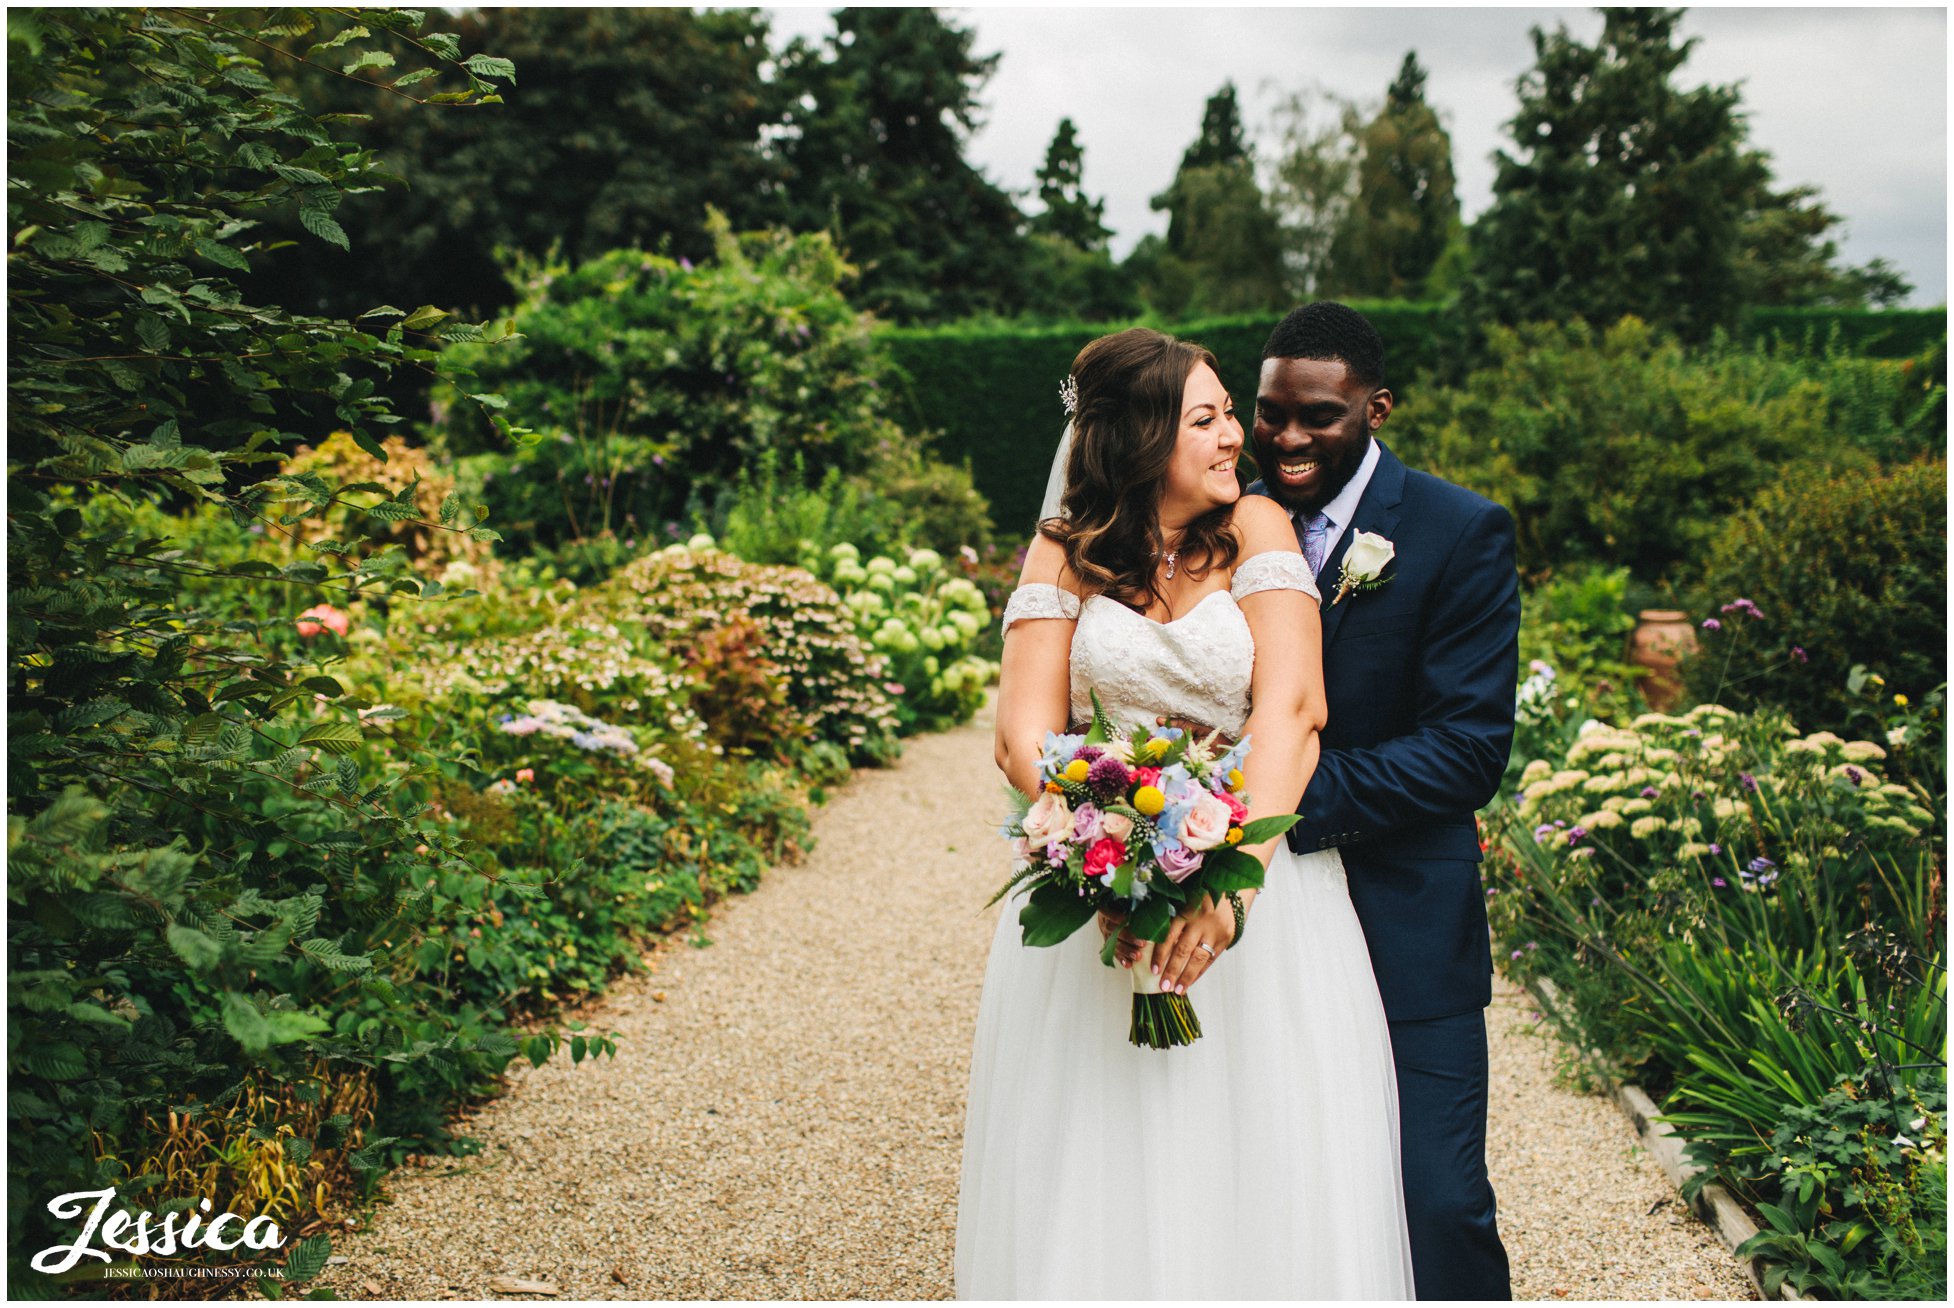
column 1661, row 640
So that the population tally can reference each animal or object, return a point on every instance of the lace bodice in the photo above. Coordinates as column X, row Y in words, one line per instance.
column 1198, row 666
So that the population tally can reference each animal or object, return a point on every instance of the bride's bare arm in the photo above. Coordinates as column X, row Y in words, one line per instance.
column 1034, row 688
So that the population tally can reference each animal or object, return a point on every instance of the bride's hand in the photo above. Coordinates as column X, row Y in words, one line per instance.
column 1195, row 938
column 1128, row 947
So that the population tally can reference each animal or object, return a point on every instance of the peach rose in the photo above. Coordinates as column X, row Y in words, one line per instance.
column 1207, row 823
column 1048, row 821
column 1116, row 826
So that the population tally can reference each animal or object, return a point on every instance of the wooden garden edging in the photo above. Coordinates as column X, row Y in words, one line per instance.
column 1717, row 1207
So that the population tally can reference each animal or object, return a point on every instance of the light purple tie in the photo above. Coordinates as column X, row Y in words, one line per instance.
column 1316, row 532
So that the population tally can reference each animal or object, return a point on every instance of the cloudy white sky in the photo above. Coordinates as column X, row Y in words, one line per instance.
column 1853, row 101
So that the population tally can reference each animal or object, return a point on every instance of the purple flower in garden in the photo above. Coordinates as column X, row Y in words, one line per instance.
column 1541, row 832
column 1532, row 945
column 1798, row 653
column 1715, row 848
column 1718, row 882
column 685, row 264
column 1744, row 607
column 1854, row 775
column 657, row 460
column 1576, row 834
column 1517, row 953
column 1650, row 792
column 589, row 480
column 1585, row 851
column 1761, row 864
column 1560, row 822
column 1711, row 624
column 565, row 438
column 1747, row 781
column 1696, row 796
column 804, row 331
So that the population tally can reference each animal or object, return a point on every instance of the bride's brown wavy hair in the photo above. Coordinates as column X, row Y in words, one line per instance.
column 1127, row 423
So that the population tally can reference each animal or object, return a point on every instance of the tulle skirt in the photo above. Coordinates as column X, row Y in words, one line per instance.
column 1259, row 1162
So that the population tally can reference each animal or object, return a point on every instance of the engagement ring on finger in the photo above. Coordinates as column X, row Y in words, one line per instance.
column 1205, row 945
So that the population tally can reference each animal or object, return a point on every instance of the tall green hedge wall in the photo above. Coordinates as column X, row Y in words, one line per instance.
column 989, row 392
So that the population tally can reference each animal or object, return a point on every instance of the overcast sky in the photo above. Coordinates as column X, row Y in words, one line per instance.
column 1853, row 101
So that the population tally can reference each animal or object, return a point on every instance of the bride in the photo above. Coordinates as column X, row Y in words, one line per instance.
column 1261, row 1161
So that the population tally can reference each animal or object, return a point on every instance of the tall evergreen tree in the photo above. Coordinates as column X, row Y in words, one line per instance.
column 1406, row 202
column 1627, row 195
column 879, row 114
column 1068, row 213
column 1223, row 251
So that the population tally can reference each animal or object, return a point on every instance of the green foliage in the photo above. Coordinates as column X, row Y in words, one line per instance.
column 657, row 383
column 1847, row 571
column 1223, row 252
column 1866, row 1175
column 216, row 864
column 877, row 118
column 686, row 596
column 1407, row 203
column 1627, row 195
column 1068, row 213
column 569, row 160
column 1573, row 630
column 927, row 622
column 1626, row 448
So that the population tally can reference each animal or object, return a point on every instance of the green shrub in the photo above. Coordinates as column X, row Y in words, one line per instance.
column 1845, row 571
column 1626, row 449
column 804, row 640
column 1572, row 632
column 652, row 383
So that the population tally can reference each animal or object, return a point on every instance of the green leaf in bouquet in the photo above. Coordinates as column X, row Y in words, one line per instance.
column 1123, row 879
column 1267, row 828
column 1018, row 878
column 1053, row 913
column 1149, row 919
column 1107, row 949
column 1230, row 869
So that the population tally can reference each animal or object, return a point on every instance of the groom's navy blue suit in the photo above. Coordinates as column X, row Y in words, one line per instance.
column 1420, row 676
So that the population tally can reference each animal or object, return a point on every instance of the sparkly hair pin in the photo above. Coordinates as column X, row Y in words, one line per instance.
column 1068, row 393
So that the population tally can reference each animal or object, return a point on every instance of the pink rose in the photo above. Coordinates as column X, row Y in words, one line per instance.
column 1146, row 776
column 327, row 616
column 1104, row 856
column 1088, row 823
column 1048, row 821
column 1207, row 823
column 1116, row 826
column 1178, row 862
column 1237, row 811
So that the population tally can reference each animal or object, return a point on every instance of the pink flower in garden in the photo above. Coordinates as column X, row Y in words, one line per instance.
column 327, row 616
column 525, row 774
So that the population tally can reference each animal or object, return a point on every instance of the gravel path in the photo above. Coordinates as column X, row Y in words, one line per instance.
column 783, row 1118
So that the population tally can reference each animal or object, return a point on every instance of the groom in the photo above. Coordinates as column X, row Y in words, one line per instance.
column 1420, row 658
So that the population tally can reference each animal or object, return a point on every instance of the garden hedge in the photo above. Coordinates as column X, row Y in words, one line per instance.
column 988, row 391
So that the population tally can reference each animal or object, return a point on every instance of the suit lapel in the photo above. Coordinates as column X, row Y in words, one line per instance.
column 1377, row 511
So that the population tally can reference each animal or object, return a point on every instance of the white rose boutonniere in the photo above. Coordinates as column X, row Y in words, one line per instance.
column 1364, row 563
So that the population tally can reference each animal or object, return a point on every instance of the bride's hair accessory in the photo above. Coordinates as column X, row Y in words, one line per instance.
column 1068, row 394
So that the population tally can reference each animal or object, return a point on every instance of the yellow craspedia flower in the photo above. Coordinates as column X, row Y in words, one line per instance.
column 1235, row 779
column 1149, row 800
column 1154, row 748
column 1234, row 836
column 1076, row 770
column 1901, row 700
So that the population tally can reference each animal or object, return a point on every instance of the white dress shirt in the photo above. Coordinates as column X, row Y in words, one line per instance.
column 1344, row 507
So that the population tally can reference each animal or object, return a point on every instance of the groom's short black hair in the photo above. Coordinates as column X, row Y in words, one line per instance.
column 1328, row 330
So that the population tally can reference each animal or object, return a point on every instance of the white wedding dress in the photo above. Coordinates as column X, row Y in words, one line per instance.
column 1259, row 1162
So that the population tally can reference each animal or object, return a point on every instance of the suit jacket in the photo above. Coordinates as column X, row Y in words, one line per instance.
column 1420, row 675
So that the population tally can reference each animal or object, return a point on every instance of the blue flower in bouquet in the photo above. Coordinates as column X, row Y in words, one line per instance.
column 1237, row 755
column 1059, row 750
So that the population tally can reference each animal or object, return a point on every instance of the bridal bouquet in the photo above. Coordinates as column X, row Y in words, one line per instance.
column 1140, row 823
